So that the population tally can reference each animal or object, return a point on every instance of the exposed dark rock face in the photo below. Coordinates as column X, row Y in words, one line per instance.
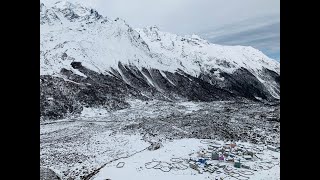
column 60, row 97
column 178, row 85
column 272, row 76
column 197, row 89
column 275, row 76
column 243, row 83
column 68, row 94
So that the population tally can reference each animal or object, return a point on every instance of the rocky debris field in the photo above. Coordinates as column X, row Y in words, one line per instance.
column 250, row 122
column 76, row 147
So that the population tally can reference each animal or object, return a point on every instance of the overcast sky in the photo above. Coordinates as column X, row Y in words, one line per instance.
column 231, row 22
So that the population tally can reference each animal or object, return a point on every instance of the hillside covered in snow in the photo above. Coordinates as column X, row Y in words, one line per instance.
column 87, row 60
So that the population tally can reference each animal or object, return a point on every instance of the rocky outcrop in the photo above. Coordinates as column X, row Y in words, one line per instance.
column 243, row 83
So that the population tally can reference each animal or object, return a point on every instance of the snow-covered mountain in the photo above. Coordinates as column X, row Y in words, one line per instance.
column 90, row 60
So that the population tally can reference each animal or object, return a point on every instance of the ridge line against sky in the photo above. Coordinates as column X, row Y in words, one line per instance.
column 253, row 23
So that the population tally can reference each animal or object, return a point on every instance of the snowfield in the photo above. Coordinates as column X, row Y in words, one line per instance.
column 134, row 167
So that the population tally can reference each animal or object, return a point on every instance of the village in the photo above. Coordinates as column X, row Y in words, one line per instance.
column 213, row 160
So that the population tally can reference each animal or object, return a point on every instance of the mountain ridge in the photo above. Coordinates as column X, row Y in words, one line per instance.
column 81, row 47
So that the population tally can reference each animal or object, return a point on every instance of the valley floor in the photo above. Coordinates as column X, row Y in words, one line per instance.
column 90, row 146
column 136, row 167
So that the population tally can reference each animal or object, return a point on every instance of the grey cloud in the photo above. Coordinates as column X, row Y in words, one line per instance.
column 261, row 33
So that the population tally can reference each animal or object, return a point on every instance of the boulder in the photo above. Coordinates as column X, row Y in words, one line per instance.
column 154, row 146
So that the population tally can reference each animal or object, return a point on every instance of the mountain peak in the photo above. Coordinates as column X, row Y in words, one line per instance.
column 77, row 33
column 65, row 11
column 64, row 4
